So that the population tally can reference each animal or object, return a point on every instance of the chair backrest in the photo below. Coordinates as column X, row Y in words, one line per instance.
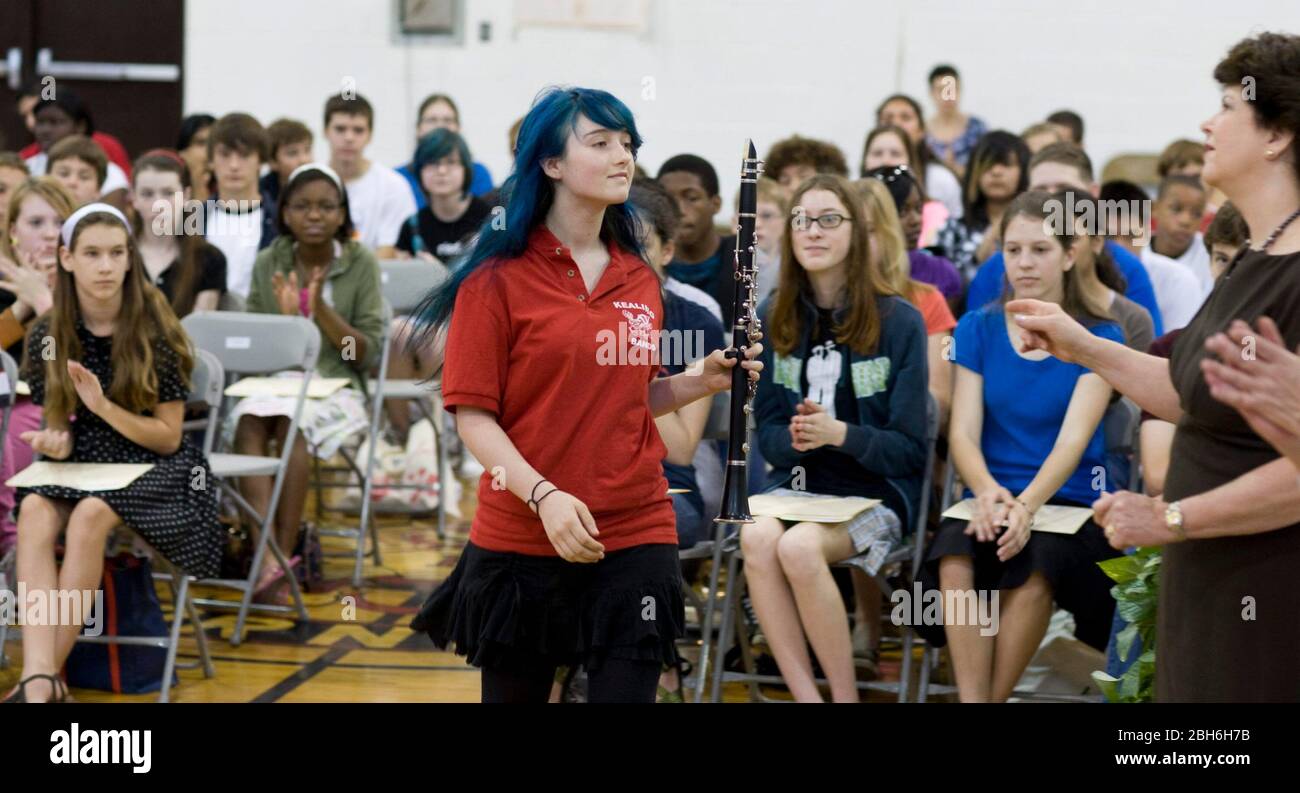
column 405, row 282
column 1120, row 426
column 206, row 381
column 718, row 426
column 255, row 344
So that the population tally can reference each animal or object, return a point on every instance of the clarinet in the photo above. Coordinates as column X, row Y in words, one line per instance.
column 745, row 330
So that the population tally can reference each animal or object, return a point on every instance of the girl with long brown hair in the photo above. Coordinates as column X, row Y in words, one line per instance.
column 111, row 366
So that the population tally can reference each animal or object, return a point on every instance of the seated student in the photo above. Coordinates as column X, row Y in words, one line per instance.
column 795, row 159
column 290, row 147
column 192, row 145
column 122, row 365
column 30, row 95
column 451, row 215
column 908, row 199
column 953, row 135
column 379, row 197
column 936, row 179
column 1062, row 167
column 80, row 166
column 1039, row 136
column 690, row 324
column 1015, row 455
column 1178, row 292
column 1176, row 215
column 890, row 146
column 13, row 172
column 58, row 117
column 28, row 266
column 190, row 272
column 998, row 172
column 1069, row 125
column 703, row 258
column 769, row 228
column 889, row 256
column 241, row 220
column 441, row 232
column 1099, row 278
column 1187, row 158
column 842, row 415
column 1223, row 239
column 438, row 111
column 314, row 269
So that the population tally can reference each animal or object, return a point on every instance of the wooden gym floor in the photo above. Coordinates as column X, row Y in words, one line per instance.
column 371, row 657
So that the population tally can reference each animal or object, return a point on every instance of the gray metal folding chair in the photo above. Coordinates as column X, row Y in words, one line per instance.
column 404, row 283
column 366, row 523
column 257, row 344
column 912, row 549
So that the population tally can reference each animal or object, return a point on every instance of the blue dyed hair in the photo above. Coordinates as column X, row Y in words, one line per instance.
column 528, row 193
column 439, row 144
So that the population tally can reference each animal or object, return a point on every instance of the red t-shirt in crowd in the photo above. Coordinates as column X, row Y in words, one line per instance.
column 567, row 374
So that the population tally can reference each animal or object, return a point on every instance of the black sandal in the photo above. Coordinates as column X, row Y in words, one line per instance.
column 58, row 689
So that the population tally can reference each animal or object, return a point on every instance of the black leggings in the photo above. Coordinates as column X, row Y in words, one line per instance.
column 616, row 680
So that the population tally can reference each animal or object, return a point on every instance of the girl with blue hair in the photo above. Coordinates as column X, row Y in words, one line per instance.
column 552, row 324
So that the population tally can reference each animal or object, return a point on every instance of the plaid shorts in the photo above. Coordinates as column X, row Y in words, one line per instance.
column 875, row 532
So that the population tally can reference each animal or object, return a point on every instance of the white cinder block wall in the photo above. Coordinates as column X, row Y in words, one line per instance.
column 704, row 74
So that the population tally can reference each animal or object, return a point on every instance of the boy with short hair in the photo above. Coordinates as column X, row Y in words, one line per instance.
column 1224, row 238
column 1181, row 158
column 1178, row 292
column 1176, row 215
column 796, row 158
column 240, row 219
column 290, row 147
column 1069, row 124
column 80, row 166
column 704, row 258
column 379, row 198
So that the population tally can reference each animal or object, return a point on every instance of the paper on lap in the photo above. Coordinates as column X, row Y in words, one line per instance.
column 1051, row 518
column 22, row 389
column 811, row 507
column 91, row 477
column 318, row 388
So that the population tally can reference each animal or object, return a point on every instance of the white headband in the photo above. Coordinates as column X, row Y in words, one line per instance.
column 70, row 224
column 315, row 166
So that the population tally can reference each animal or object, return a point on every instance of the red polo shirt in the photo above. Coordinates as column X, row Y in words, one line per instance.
column 567, row 374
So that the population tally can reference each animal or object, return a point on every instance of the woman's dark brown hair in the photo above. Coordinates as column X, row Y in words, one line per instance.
column 1267, row 69
column 859, row 327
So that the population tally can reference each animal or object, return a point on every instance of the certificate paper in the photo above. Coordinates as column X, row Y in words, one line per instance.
column 1050, row 518
column 91, row 477
column 318, row 388
column 797, row 506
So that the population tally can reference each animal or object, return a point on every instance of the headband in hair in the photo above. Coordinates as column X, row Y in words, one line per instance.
column 325, row 169
column 168, row 153
column 70, row 225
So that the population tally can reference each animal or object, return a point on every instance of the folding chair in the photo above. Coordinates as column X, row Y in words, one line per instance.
column 256, row 344
column 404, row 283
column 912, row 549
column 366, row 523
column 8, row 393
column 716, row 428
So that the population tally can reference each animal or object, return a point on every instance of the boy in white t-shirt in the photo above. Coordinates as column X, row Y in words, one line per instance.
column 379, row 198
column 239, row 220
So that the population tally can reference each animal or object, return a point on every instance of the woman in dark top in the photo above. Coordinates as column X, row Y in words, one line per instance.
column 442, row 230
column 1230, row 512
column 177, row 260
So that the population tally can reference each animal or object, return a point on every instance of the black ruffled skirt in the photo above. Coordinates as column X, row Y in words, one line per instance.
column 1067, row 561
column 514, row 612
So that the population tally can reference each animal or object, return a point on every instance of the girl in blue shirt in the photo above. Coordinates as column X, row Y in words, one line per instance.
column 1025, row 431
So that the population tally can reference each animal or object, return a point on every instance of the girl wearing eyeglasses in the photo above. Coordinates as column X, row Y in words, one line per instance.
column 316, row 270
column 843, row 414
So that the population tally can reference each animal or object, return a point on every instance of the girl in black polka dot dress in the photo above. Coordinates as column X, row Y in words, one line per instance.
column 110, row 364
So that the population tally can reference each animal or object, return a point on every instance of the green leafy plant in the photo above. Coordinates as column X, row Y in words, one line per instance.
column 1136, row 591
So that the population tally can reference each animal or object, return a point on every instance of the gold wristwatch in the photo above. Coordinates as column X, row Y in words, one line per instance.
column 1174, row 520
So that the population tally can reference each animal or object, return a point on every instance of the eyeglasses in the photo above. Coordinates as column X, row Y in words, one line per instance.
column 304, row 208
column 827, row 221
